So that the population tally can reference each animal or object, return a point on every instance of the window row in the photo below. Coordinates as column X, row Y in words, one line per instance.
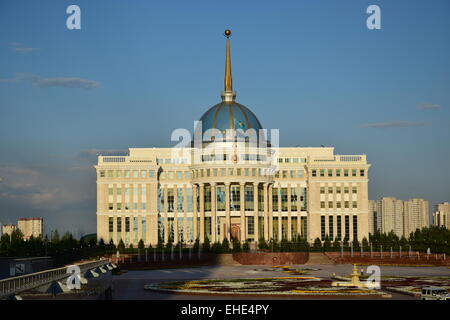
column 338, row 204
column 338, row 172
column 335, row 227
column 338, row 190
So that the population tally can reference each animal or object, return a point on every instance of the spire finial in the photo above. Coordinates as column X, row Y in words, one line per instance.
column 228, row 94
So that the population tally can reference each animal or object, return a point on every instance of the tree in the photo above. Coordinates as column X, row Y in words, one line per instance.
column 196, row 246
column 317, row 246
column 5, row 244
column 262, row 244
column 111, row 245
column 55, row 237
column 236, row 245
column 246, row 246
column 206, row 245
column 365, row 244
column 327, row 244
column 225, row 245
column 336, row 245
column 141, row 245
column 121, row 246
column 216, row 247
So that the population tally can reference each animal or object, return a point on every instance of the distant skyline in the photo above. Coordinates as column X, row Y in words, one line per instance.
column 139, row 69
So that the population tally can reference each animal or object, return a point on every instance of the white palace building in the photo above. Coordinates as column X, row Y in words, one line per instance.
column 232, row 182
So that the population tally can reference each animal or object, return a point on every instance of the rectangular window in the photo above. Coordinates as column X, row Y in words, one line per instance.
column 110, row 191
column 361, row 173
column 102, row 174
column 314, row 173
column 180, row 199
column 111, row 224
column 355, row 228
column 346, row 189
column 322, row 228
column 345, row 172
column 135, row 229
column 339, row 228
column 170, row 199
column 119, row 191
column 347, row 227
column 338, row 172
column 284, row 227
column 235, row 198
column 330, row 190
column 354, row 190
column 330, row 227
column 250, row 225
column 207, row 198
column 110, row 206
column 151, row 173
column 299, row 173
column 330, row 172
column 275, row 228
column 338, row 205
column 294, row 227
column 284, row 199
column 119, row 206
column 144, row 229
column 346, row 204
column 322, row 173
column 220, row 193
column 303, row 199
column 355, row 205
column 119, row 225
column 275, row 200
column 353, row 172
column 330, row 204
column 294, row 199
column 249, row 198
column 322, row 190
column 322, row 204
column 338, row 190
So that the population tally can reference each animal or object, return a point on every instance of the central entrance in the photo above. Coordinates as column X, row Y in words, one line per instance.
column 236, row 231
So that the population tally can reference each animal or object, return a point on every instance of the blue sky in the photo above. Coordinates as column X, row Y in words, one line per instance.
column 139, row 69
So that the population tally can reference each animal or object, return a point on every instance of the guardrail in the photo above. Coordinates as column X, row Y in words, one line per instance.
column 26, row 282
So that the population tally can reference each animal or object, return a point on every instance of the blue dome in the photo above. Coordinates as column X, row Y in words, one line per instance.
column 229, row 115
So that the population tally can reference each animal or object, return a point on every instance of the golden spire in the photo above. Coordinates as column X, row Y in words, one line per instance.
column 228, row 78
column 228, row 94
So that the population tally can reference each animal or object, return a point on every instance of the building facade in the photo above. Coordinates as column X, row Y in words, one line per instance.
column 232, row 182
column 441, row 215
column 31, row 227
column 401, row 217
column 8, row 228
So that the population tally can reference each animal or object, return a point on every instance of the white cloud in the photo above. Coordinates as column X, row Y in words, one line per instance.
column 394, row 124
column 19, row 47
column 429, row 106
column 41, row 82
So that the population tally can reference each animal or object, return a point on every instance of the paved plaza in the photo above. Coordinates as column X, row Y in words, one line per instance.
column 130, row 285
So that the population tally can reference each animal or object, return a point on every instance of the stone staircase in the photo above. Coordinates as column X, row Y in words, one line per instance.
column 318, row 258
column 226, row 260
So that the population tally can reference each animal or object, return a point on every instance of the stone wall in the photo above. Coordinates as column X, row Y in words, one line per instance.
column 271, row 259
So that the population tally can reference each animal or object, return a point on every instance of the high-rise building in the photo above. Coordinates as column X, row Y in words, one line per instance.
column 31, row 227
column 233, row 182
column 441, row 215
column 416, row 215
column 402, row 217
column 8, row 228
